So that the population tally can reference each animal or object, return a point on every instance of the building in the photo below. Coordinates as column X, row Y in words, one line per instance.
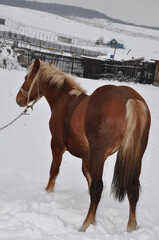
column 64, row 39
column 115, row 44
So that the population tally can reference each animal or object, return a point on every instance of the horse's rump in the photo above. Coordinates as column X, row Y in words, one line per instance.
column 105, row 120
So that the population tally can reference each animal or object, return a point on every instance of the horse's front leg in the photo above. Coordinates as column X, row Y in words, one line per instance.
column 57, row 152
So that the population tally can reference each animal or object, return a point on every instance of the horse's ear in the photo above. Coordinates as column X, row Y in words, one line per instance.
column 36, row 65
column 51, row 62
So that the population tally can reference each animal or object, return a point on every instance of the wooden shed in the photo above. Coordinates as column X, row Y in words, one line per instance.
column 92, row 67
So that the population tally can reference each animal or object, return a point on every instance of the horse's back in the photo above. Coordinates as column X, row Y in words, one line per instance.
column 111, row 99
column 112, row 92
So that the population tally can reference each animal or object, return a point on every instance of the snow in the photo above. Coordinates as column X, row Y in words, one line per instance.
column 28, row 212
column 8, row 58
column 142, row 42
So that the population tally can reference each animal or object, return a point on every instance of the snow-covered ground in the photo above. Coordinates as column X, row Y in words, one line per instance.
column 28, row 212
column 45, row 26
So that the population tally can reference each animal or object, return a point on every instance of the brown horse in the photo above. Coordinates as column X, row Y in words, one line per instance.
column 113, row 118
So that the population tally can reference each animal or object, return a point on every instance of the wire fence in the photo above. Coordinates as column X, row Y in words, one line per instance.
column 30, row 42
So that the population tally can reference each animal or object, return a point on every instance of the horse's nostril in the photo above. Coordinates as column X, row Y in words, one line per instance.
column 20, row 102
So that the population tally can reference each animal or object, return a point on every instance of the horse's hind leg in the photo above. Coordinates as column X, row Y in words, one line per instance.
column 86, row 171
column 96, row 171
column 57, row 152
column 133, row 196
column 134, row 190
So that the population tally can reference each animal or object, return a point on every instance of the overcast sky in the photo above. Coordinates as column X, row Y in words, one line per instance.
column 137, row 11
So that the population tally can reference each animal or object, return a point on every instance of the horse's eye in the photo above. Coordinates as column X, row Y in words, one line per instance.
column 26, row 77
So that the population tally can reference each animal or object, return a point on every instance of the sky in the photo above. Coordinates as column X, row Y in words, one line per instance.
column 137, row 11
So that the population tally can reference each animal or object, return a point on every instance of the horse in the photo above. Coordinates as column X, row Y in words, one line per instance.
column 92, row 127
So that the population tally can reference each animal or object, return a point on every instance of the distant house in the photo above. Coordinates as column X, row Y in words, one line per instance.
column 64, row 39
column 115, row 44
column 2, row 21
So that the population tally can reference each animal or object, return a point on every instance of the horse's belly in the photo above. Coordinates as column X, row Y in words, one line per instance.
column 75, row 137
column 78, row 146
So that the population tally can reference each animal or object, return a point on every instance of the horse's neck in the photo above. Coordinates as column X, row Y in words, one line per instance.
column 55, row 96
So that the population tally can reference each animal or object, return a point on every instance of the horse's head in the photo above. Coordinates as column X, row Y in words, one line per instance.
column 29, row 91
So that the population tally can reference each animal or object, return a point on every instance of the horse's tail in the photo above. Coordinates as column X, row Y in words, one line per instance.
column 128, row 165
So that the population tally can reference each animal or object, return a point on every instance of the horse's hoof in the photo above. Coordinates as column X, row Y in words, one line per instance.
column 85, row 226
column 131, row 227
column 49, row 190
column 82, row 229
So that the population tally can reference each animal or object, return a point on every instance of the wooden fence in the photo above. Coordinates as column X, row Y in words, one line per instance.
column 137, row 71
column 142, row 72
column 93, row 68
column 66, row 63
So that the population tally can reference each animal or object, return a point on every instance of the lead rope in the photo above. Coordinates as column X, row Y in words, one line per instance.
column 23, row 113
column 27, row 106
column 14, row 120
column 26, row 94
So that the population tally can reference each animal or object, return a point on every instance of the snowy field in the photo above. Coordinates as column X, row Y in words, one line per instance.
column 45, row 26
column 28, row 212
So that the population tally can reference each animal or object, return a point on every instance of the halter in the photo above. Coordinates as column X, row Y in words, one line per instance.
column 28, row 93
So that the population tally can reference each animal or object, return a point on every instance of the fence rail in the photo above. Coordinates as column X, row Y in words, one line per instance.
column 66, row 63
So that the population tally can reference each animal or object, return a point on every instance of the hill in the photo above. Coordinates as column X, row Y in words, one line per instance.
column 65, row 10
column 83, row 32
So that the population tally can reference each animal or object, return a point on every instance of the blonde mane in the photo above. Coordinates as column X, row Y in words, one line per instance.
column 54, row 76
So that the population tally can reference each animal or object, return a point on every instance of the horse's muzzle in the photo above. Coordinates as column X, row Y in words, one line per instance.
column 20, row 102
